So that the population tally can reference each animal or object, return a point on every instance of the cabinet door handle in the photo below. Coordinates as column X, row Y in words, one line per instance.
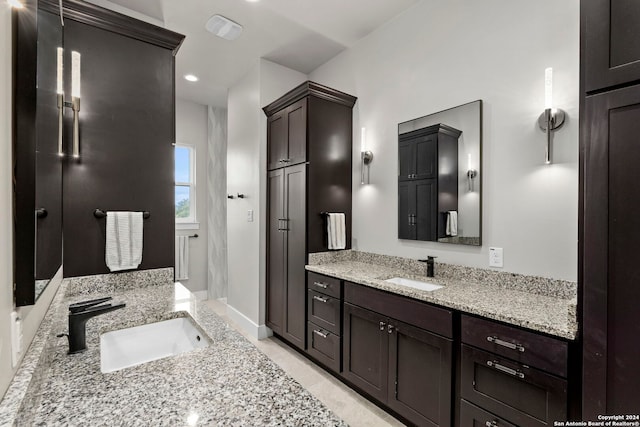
column 382, row 325
column 320, row 333
column 410, row 218
column 499, row 367
column 390, row 328
column 321, row 299
column 493, row 423
column 320, row 285
column 509, row 345
column 286, row 160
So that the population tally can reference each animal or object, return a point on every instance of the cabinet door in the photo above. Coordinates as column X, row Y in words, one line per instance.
column 276, row 279
column 426, row 209
column 420, row 369
column 297, row 132
column 406, row 210
column 295, row 250
column 277, row 140
column 406, row 160
column 610, row 274
column 610, row 42
column 426, row 154
column 366, row 351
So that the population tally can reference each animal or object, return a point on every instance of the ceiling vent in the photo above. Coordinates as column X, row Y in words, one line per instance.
column 223, row 27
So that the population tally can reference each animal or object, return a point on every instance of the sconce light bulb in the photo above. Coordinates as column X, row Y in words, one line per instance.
column 548, row 88
column 75, row 74
column 16, row 4
column 59, row 87
column 469, row 167
column 363, row 140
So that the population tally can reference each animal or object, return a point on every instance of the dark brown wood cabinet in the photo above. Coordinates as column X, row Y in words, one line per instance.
column 426, row 190
column 611, row 43
column 324, row 316
column 511, row 374
column 287, row 136
column 309, row 133
column 405, row 367
column 609, row 228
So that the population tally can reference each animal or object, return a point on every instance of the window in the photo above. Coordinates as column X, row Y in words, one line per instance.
column 185, row 196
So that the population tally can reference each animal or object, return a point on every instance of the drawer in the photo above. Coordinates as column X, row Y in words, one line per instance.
column 324, row 346
column 324, row 284
column 472, row 416
column 324, row 311
column 525, row 396
column 408, row 310
column 529, row 348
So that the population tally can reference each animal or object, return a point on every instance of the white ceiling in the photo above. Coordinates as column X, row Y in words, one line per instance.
column 299, row 34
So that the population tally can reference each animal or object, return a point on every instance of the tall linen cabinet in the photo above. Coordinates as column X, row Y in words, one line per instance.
column 309, row 158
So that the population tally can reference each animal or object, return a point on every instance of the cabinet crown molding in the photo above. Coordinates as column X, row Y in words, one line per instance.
column 439, row 128
column 310, row 88
column 118, row 23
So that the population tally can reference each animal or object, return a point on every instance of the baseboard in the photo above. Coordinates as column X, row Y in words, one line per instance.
column 257, row 331
column 201, row 295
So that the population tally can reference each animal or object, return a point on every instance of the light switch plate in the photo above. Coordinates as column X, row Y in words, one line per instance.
column 250, row 215
column 496, row 257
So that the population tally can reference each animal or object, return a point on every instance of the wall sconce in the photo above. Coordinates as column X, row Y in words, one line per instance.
column 75, row 100
column 366, row 157
column 16, row 4
column 471, row 172
column 551, row 119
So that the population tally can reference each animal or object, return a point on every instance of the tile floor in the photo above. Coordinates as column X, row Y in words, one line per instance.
column 344, row 402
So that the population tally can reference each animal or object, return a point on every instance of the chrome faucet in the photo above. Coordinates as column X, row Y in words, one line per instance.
column 430, row 265
column 79, row 313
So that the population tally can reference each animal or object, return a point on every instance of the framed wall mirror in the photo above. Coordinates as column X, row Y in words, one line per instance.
column 37, row 164
column 440, row 176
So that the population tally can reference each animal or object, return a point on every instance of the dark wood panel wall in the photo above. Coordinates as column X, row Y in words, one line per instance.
column 127, row 127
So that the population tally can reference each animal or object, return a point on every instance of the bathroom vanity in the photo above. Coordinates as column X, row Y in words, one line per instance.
column 481, row 350
column 229, row 381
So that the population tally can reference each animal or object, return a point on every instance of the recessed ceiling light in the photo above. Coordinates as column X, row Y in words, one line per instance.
column 191, row 78
column 253, row 1
column 17, row 4
column 223, row 27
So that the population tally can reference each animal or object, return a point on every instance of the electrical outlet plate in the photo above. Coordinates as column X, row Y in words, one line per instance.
column 250, row 215
column 16, row 338
column 496, row 258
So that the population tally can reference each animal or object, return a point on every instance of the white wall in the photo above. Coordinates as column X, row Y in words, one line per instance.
column 246, row 174
column 6, row 235
column 440, row 54
column 31, row 316
column 191, row 129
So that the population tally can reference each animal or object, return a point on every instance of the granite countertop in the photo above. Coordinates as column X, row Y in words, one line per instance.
column 551, row 314
column 228, row 383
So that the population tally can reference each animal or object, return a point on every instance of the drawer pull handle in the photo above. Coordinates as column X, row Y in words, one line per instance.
column 390, row 328
column 320, row 285
column 321, row 299
column 382, row 325
column 504, row 369
column 320, row 333
column 509, row 345
column 491, row 423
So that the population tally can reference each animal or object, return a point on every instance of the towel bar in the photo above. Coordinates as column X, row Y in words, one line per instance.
column 99, row 213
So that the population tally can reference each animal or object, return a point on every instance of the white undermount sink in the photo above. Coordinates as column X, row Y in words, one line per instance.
column 141, row 344
column 415, row 284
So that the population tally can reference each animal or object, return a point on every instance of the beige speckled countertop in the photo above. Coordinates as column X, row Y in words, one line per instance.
column 551, row 314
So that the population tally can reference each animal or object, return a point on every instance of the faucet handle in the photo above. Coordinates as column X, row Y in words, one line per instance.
column 429, row 259
column 83, row 305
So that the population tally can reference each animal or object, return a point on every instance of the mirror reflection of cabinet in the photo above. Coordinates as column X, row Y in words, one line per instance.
column 427, row 182
column 439, row 172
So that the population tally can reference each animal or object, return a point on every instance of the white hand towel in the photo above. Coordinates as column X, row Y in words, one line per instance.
column 123, row 249
column 337, row 231
column 182, row 257
column 452, row 223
